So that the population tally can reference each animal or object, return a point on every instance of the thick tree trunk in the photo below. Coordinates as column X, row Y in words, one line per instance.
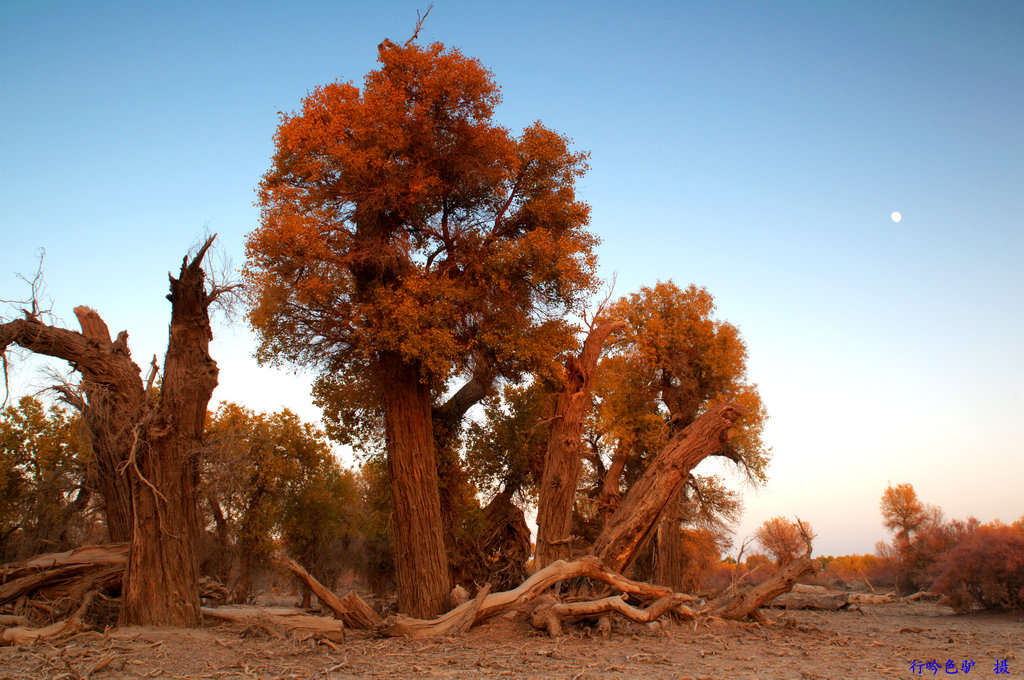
column 421, row 563
column 668, row 546
column 115, row 399
column 562, row 459
column 639, row 511
column 162, row 578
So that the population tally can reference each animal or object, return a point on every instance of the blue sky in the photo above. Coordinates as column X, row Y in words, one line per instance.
column 757, row 149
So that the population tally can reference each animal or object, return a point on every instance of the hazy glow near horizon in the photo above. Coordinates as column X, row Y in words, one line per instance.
column 749, row 149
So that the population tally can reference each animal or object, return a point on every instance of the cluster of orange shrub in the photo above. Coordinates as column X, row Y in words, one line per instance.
column 974, row 565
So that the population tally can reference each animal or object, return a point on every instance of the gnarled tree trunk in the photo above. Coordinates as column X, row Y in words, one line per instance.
column 638, row 513
column 421, row 563
column 114, row 399
column 562, row 459
column 162, row 578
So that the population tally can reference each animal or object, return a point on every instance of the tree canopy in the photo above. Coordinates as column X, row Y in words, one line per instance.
column 407, row 239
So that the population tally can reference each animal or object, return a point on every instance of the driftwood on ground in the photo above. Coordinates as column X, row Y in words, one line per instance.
column 351, row 609
column 85, row 571
column 745, row 604
column 820, row 601
column 495, row 603
column 550, row 616
column 296, row 621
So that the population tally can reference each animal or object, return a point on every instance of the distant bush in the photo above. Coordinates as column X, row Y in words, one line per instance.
column 985, row 570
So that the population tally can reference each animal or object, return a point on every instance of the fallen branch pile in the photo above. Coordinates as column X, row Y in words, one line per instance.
column 31, row 590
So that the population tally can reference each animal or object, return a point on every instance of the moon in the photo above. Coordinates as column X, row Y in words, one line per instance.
column 896, row 216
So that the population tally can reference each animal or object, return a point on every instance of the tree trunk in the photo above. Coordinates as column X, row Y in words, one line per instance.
column 162, row 578
column 609, row 500
column 668, row 546
column 115, row 399
column 562, row 459
column 421, row 563
column 637, row 514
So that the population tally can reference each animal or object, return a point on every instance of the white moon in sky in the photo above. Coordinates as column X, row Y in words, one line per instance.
column 896, row 216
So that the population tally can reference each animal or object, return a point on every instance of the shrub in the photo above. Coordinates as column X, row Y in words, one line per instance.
column 985, row 570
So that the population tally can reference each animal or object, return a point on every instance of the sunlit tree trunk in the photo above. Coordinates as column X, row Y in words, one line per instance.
column 421, row 563
column 162, row 578
column 562, row 460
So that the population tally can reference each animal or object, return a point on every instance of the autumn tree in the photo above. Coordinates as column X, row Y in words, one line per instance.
column 782, row 539
column 252, row 466
column 902, row 512
column 985, row 570
column 676, row 377
column 43, row 490
column 408, row 242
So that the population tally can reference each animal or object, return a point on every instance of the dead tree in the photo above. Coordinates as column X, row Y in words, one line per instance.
column 638, row 513
column 113, row 398
column 162, row 579
column 562, row 460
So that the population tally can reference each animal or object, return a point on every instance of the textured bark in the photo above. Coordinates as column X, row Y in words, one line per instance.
column 668, row 545
column 65, row 576
column 638, row 513
column 506, row 544
column 421, row 562
column 114, row 402
column 162, row 578
column 562, row 458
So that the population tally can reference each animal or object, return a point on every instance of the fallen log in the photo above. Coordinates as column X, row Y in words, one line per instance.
column 921, row 595
column 495, row 603
column 299, row 623
column 351, row 609
column 87, row 556
column 862, row 598
column 550, row 616
column 745, row 604
column 27, row 635
column 824, row 602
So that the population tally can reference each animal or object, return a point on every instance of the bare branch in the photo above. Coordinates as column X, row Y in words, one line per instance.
column 419, row 24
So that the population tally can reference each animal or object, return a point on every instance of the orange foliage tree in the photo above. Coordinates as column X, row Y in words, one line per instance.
column 782, row 539
column 672, row 363
column 408, row 241
column 902, row 512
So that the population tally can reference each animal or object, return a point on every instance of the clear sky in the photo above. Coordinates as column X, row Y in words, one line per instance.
column 757, row 149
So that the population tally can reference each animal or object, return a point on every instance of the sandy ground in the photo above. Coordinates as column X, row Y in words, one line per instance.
column 880, row 641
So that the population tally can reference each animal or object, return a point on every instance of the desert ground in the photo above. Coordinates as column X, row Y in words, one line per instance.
column 874, row 641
